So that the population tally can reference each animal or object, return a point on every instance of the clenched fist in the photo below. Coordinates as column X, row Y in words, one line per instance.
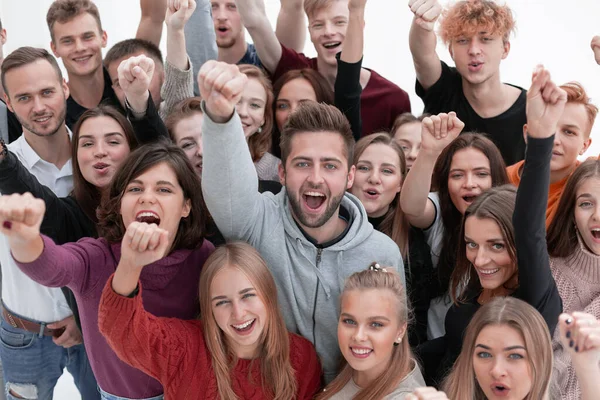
column 135, row 75
column 20, row 217
column 426, row 12
column 221, row 86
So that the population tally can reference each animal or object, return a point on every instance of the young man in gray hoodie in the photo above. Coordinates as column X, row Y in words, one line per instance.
column 313, row 234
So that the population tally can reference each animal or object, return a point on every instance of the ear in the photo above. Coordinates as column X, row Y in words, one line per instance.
column 104, row 38
column 187, row 208
column 7, row 101
column 506, row 49
column 525, row 133
column 351, row 177
column 586, row 145
column 401, row 332
column 281, row 172
column 65, row 88
column 53, row 48
column 451, row 51
column 2, row 37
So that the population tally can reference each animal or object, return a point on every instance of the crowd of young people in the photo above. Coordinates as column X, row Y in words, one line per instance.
column 240, row 221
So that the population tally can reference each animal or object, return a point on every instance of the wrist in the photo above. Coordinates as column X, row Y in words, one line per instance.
column 138, row 104
column 218, row 118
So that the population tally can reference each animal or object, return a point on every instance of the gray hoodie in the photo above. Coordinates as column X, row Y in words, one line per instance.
column 309, row 279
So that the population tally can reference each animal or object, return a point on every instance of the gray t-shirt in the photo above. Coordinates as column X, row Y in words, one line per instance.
column 412, row 381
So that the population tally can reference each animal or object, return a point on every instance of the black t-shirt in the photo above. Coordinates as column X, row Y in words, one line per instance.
column 74, row 109
column 505, row 130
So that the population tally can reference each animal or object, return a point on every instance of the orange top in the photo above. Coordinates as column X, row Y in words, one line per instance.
column 556, row 189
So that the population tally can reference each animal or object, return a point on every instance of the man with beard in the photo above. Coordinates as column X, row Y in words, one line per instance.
column 38, row 329
column 313, row 234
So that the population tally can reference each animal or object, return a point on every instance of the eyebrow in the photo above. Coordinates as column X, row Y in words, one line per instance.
column 158, row 183
column 322, row 159
column 376, row 317
column 41, row 90
column 187, row 138
column 243, row 291
column 105, row 135
column 474, row 169
column 509, row 348
column 494, row 240
column 586, row 195
column 382, row 164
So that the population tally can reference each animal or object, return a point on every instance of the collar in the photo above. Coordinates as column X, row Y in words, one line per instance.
column 28, row 153
column 344, row 215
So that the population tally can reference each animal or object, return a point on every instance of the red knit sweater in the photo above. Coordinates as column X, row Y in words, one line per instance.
column 174, row 352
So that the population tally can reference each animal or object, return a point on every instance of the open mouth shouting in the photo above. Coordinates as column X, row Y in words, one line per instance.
column 596, row 234
column 332, row 46
column 222, row 30
column 149, row 217
column 244, row 328
column 314, row 200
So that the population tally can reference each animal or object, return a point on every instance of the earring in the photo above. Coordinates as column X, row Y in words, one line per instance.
column 259, row 129
column 398, row 342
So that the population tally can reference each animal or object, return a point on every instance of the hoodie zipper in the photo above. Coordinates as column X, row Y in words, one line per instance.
column 319, row 252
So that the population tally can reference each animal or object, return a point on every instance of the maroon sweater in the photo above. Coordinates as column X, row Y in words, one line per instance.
column 84, row 267
column 174, row 352
column 381, row 101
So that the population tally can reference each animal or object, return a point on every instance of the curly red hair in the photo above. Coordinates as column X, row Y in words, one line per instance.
column 468, row 18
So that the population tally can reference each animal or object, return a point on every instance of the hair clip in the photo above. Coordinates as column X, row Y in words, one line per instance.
column 376, row 267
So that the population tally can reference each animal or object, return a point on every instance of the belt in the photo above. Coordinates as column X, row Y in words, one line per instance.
column 29, row 326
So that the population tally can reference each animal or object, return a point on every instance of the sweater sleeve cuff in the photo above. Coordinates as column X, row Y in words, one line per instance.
column 216, row 129
column 112, row 302
column 7, row 165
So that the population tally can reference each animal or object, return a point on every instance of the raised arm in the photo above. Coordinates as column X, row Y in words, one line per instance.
column 179, row 74
column 151, row 23
column 596, row 48
column 545, row 105
column 229, row 178
column 580, row 336
column 347, row 88
column 135, row 75
column 151, row 344
column 291, row 25
column 256, row 21
column 422, row 41
column 437, row 132
column 60, row 214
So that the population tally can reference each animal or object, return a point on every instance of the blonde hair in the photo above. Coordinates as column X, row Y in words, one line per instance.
column 461, row 383
column 278, row 378
column 401, row 362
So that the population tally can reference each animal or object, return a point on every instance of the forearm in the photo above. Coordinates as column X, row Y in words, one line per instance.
column 149, row 128
column 354, row 42
column 422, row 44
column 151, row 23
column 178, row 86
column 415, row 190
column 176, row 53
column 589, row 380
column 126, row 279
column 291, row 24
column 347, row 92
column 256, row 21
column 27, row 252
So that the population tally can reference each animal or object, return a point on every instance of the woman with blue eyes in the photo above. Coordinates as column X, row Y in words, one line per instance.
column 380, row 170
column 574, row 246
column 504, row 233
column 152, row 215
column 240, row 349
column 456, row 169
column 506, row 355
column 255, row 109
column 372, row 338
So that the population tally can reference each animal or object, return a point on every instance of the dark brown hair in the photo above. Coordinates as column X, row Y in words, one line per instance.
column 129, row 47
column 260, row 142
column 394, row 224
column 562, row 232
column 497, row 204
column 451, row 217
column 315, row 117
column 182, row 110
column 63, row 11
column 25, row 56
column 87, row 195
column 277, row 376
column 406, row 118
column 323, row 91
column 191, row 230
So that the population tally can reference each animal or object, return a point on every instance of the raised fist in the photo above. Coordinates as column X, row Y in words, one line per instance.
column 545, row 104
column 135, row 75
column 179, row 13
column 596, row 48
column 143, row 244
column 20, row 217
column 426, row 12
column 221, row 86
column 438, row 131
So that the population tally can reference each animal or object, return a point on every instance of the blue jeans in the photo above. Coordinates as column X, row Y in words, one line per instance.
column 32, row 365
column 108, row 396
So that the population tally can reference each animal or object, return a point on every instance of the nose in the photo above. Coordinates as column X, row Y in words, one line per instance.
column 481, row 258
column 374, row 176
column 79, row 45
column 100, row 150
column 328, row 29
column 238, row 311
column 474, row 46
column 469, row 181
column 148, row 196
column 360, row 334
column 498, row 368
column 412, row 154
column 596, row 215
column 200, row 149
column 558, row 139
column 315, row 177
column 242, row 109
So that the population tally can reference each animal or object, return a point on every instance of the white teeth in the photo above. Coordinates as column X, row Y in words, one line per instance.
column 596, row 230
column 361, row 351
column 82, row 58
column 147, row 214
column 331, row 45
column 314, row 194
column 489, row 271
column 244, row 325
column 42, row 119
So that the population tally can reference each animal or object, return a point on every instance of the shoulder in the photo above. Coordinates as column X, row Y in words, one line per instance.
column 302, row 351
column 381, row 84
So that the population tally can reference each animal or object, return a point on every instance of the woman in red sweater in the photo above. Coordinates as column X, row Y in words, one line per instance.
column 239, row 350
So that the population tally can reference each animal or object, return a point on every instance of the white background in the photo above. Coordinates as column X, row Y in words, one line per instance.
column 556, row 33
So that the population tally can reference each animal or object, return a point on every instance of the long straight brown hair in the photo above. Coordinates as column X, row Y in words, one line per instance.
column 277, row 375
column 461, row 383
column 394, row 224
column 562, row 232
column 401, row 362
column 497, row 204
